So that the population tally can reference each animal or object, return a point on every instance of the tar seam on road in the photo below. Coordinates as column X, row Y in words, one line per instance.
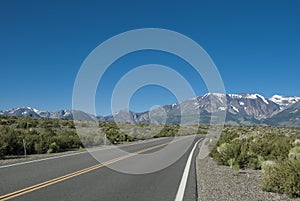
column 74, row 174
column 182, row 186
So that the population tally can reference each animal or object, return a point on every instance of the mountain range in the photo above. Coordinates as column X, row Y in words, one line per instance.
column 239, row 109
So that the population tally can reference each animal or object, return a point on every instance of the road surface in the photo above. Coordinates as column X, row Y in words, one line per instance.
column 80, row 177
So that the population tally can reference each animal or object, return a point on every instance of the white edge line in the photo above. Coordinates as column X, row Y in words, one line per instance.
column 182, row 186
column 77, row 153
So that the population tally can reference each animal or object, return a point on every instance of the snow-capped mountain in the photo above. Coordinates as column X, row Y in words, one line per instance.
column 254, row 105
column 25, row 111
column 239, row 109
column 28, row 111
column 284, row 101
column 289, row 116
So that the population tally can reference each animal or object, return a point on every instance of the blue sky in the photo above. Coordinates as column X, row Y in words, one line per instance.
column 254, row 44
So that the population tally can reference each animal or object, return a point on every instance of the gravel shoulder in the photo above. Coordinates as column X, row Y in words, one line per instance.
column 215, row 182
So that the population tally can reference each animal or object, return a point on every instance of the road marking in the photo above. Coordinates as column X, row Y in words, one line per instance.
column 182, row 186
column 74, row 174
column 77, row 153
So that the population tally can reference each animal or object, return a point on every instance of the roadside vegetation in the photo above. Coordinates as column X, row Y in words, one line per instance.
column 41, row 136
column 57, row 135
column 274, row 150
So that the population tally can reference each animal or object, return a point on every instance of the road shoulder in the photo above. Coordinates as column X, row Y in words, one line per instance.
column 215, row 182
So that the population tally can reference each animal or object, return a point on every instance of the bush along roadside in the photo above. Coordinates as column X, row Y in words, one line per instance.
column 44, row 135
column 276, row 153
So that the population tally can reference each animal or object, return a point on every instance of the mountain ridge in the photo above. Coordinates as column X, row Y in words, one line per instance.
column 239, row 108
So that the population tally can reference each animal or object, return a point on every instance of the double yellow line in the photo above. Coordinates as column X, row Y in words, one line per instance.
column 74, row 174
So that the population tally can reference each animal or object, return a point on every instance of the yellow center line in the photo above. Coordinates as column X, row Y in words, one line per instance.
column 74, row 174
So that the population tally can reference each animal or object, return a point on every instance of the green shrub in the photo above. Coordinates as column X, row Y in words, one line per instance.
column 40, row 147
column 226, row 154
column 272, row 146
column 11, row 142
column 22, row 124
column 53, row 148
column 294, row 153
column 267, row 148
column 266, row 166
column 283, row 177
column 255, row 162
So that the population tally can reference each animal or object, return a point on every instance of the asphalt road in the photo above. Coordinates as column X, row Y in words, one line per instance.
column 81, row 177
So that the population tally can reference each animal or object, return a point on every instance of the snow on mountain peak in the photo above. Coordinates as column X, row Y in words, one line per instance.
column 215, row 94
column 34, row 110
column 235, row 96
column 248, row 96
column 251, row 96
column 263, row 98
column 284, row 101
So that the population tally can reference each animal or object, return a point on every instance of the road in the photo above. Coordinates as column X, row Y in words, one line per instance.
column 80, row 177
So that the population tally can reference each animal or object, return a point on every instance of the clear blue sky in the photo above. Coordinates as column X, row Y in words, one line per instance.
column 255, row 45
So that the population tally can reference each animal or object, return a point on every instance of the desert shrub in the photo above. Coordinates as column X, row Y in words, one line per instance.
column 33, row 123
column 266, row 166
column 11, row 142
column 272, row 146
column 250, row 151
column 115, row 135
column 169, row 130
column 3, row 122
column 22, row 124
column 53, row 148
column 228, row 135
column 31, row 137
column 283, row 177
column 71, row 125
column 67, row 139
column 55, row 123
column 294, row 153
column 87, row 140
column 40, row 147
column 296, row 142
column 227, row 153
column 47, row 123
column 268, row 148
column 237, row 154
column 255, row 161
